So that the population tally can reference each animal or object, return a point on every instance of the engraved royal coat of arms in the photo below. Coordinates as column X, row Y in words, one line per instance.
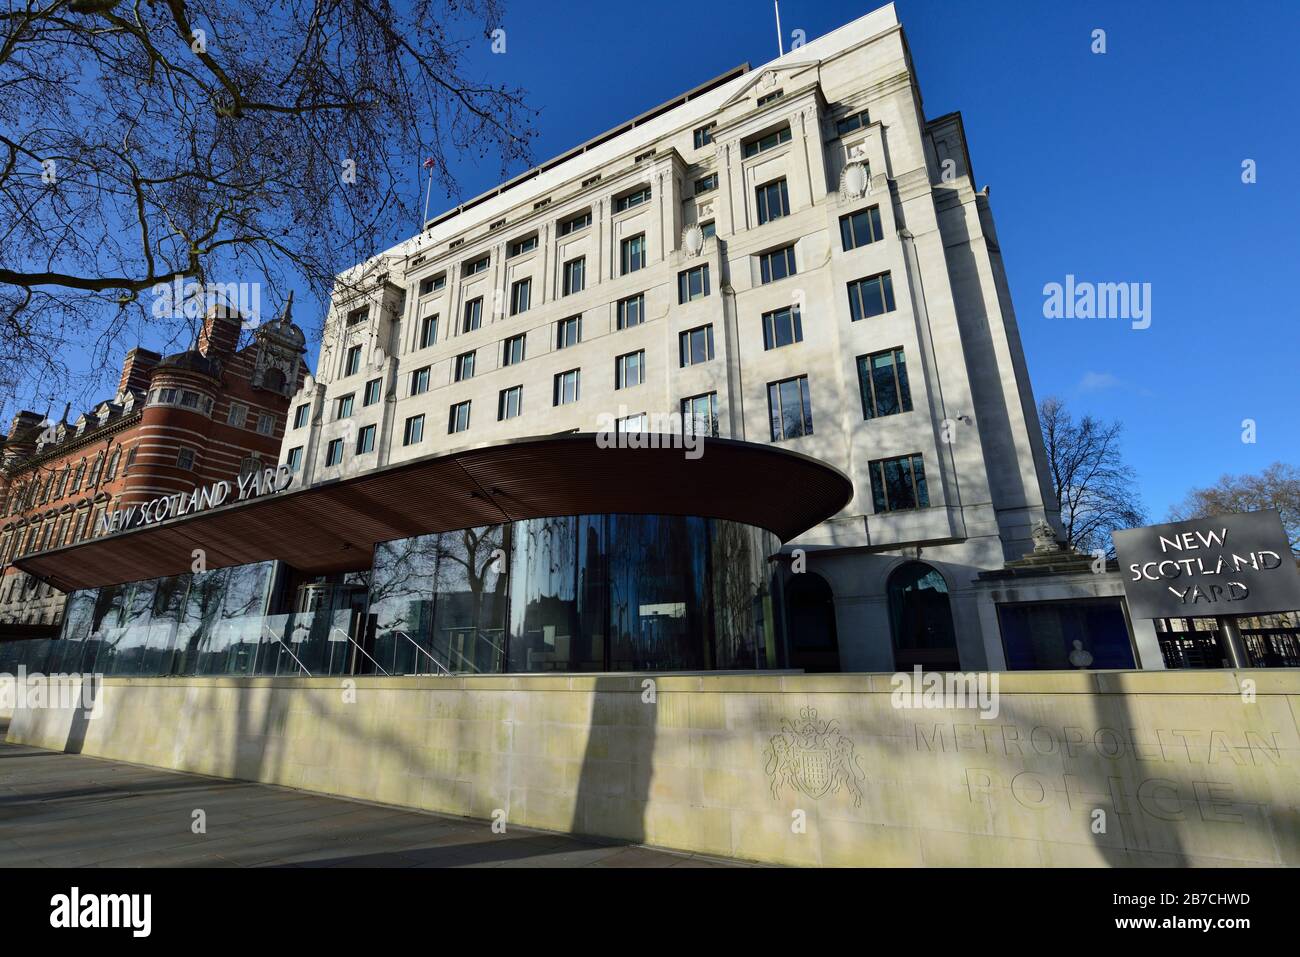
column 814, row 757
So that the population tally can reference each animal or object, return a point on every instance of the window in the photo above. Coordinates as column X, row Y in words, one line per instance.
column 265, row 424
column 433, row 284
column 709, row 228
column 706, row 184
column 782, row 327
column 631, row 423
column 773, row 201
column 109, row 475
column 473, row 315
column 190, row 400
column 521, row 246
column 92, row 481
column 419, row 381
column 700, row 414
column 704, row 135
column 343, row 406
column 333, row 453
column 568, row 332
column 629, row 370
column 521, row 294
column 510, row 403
column 184, row 458
column 566, row 387
column 249, row 465
column 871, row 297
column 477, row 266
column 463, row 367
column 633, row 254
column 237, row 414
column 622, row 203
column 167, row 395
column 371, row 395
column 581, row 221
column 512, row 350
column 769, row 97
column 294, row 459
column 358, row 316
column 696, row 345
column 77, row 476
column 413, row 431
column 575, row 275
column 631, row 311
column 882, row 378
column 130, row 460
column 776, row 265
column 898, row 484
column 300, row 416
column 853, row 122
column 456, row 243
column 366, row 440
column 352, row 365
column 790, row 408
column 80, row 528
column 860, row 228
column 764, row 143
column 428, row 332
column 458, row 418
column 693, row 284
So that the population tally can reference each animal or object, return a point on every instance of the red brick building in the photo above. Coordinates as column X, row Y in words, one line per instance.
column 176, row 423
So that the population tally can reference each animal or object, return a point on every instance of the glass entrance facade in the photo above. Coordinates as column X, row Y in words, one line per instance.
column 587, row 593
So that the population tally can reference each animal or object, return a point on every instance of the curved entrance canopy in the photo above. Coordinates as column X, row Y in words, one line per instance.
column 335, row 526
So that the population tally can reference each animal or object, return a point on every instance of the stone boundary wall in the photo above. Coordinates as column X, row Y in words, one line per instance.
column 1077, row 768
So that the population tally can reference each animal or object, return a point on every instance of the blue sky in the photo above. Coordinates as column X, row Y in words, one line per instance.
column 1122, row 167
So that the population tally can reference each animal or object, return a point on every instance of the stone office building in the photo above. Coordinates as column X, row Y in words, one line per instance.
column 794, row 256
column 175, row 423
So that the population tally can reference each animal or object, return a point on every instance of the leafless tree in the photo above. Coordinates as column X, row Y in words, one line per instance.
column 217, row 141
column 1097, row 491
column 1277, row 487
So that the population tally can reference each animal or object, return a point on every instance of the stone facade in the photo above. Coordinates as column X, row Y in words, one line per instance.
column 424, row 343
column 1074, row 769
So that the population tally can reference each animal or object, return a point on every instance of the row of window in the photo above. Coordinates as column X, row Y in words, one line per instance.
column 856, row 229
column 56, row 485
column 238, row 416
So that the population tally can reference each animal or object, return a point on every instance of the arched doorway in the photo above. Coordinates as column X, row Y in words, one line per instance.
column 810, row 612
column 920, row 618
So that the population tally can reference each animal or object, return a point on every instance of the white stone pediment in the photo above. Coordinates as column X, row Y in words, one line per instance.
column 769, row 80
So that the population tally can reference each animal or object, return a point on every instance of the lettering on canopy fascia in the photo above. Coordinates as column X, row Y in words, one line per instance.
column 250, row 486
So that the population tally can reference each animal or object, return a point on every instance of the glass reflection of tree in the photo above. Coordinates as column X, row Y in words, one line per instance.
column 202, row 611
column 738, row 596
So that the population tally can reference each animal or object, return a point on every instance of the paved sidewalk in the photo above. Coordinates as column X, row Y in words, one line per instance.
column 69, row 810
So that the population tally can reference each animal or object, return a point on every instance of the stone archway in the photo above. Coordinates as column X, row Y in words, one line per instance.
column 920, row 618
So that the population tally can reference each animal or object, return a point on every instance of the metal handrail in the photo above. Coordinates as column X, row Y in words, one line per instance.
column 423, row 651
column 266, row 631
column 334, row 628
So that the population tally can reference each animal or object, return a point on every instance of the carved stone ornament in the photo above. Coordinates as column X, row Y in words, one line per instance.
column 693, row 240
column 855, row 181
column 1044, row 538
column 767, row 80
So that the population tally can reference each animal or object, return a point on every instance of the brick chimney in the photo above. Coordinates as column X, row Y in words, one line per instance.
column 136, row 368
column 220, row 335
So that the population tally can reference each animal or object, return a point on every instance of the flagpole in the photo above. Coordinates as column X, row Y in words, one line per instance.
column 780, row 40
